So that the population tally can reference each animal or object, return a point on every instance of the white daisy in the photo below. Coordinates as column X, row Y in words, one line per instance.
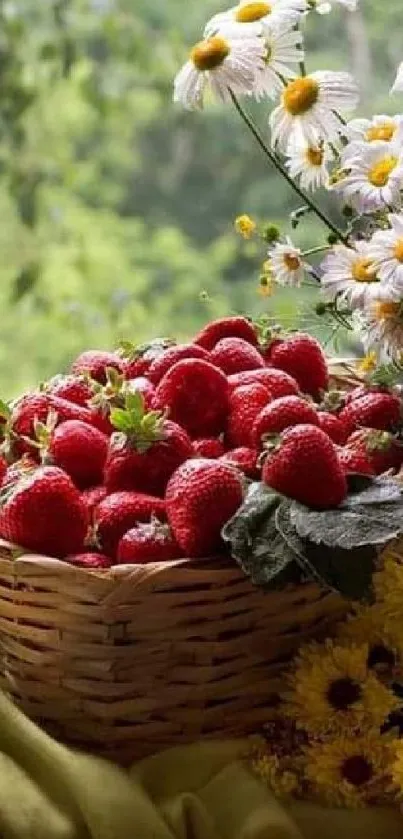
column 309, row 164
column 350, row 273
column 287, row 266
column 380, row 127
column 284, row 51
column 374, row 177
column 386, row 250
column 382, row 329
column 224, row 64
column 309, row 107
column 323, row 7
column 249, row 11
column 397, row 86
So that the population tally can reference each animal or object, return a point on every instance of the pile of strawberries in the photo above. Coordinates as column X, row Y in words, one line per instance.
column 143, row 455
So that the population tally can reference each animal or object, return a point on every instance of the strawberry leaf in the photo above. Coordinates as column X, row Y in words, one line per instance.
column 5, row 412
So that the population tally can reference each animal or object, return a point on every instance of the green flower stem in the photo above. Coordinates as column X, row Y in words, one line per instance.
column 283, row 171
column 319, row 249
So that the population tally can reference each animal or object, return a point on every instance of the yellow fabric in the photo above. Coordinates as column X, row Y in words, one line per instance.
column 198, row 792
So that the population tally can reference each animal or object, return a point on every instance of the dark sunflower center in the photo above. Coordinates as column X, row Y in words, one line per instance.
column 357, row 770
column 381, row 657
column 343, row 693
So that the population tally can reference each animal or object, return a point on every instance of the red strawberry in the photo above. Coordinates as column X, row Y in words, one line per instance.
column 141, row 385
column 35, row 407
column 356, row 393
column 208, row 447
column 91, row 498
column 95, row 363
column 200, row 498
column 333, row 426
column 43, row 512
column 146, row 450
column 137, row 360
column 246, row 404
column 375, row 410
column 381, row 448
column 89, row 560
column 233, row 355
column 355, row 462
column 121, row 511
column 75, row 389
column 3, row 468
column 196, row 395
column 305, row 466
column 277, row 382
column 76, row 447
column 26, row 464
column 245, row 459
column 152, row 542
column 235, row 327
column 281, row 414
column 171, row 356
column 302, row 357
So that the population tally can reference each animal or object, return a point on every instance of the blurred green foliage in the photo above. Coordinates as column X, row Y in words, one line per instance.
column 116, row 207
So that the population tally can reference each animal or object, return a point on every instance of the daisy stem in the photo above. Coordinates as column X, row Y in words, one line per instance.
column 283, row 171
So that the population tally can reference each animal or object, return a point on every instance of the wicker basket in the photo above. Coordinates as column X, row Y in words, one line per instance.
column 132, row 660
column 128, row 661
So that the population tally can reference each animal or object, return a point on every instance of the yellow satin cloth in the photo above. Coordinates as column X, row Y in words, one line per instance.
column 199, row 792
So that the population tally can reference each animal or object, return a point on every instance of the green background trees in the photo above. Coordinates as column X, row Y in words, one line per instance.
column 116, row 207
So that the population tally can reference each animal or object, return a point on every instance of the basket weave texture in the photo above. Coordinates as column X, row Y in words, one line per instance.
column 135, row 659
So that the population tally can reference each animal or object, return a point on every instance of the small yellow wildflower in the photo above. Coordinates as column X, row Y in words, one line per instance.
column 353, row 771
column 368, row 363
column 245, row 226
column 281, row 775
column 333, row 690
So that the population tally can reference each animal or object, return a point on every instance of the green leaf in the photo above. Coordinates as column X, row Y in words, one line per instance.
column 349, row 572
column 364, row 490
column 121, row 420
column 256, row 544
column 5, row 411
column 362, row 525
column 134, row 403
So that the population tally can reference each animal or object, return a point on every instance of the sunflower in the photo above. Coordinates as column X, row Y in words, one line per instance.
column 333, row 690
column 352, row 771
column 283, row 775
column 366, row 625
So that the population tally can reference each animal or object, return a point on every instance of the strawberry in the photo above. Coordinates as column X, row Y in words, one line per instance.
column 375, row 410
column 121, row 511
column 381, row 448
column 245, row 404
column 233, row 355
column 195, row 393
column 152, row 542
column 76, row 447
column 146, row 450
column 43, row 512
column 280, row 414
column 305, row 466
column 91, row 498
column 75, row 389
column 276, row 381
column 137, row 360
column 235, row 327
column 3, row 468
column 15, row 471
column 333, row 426
column 89, row 560
column 141, row 385
column 208, row 447
column 200, row 498
column 35, row 407
column 164, row 362
column 95, row 363
column 244, row 459
column 302, row 357
column 354, row 461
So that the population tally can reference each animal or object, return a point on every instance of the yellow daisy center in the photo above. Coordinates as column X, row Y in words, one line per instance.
column 380, row 172
column 300, row 95
column 363, row 272
column 398, row 250
column 386, row 309
column 209, row 54
column 383, row 131
column 251, row 12
column 314, row 156
column 292, row 262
